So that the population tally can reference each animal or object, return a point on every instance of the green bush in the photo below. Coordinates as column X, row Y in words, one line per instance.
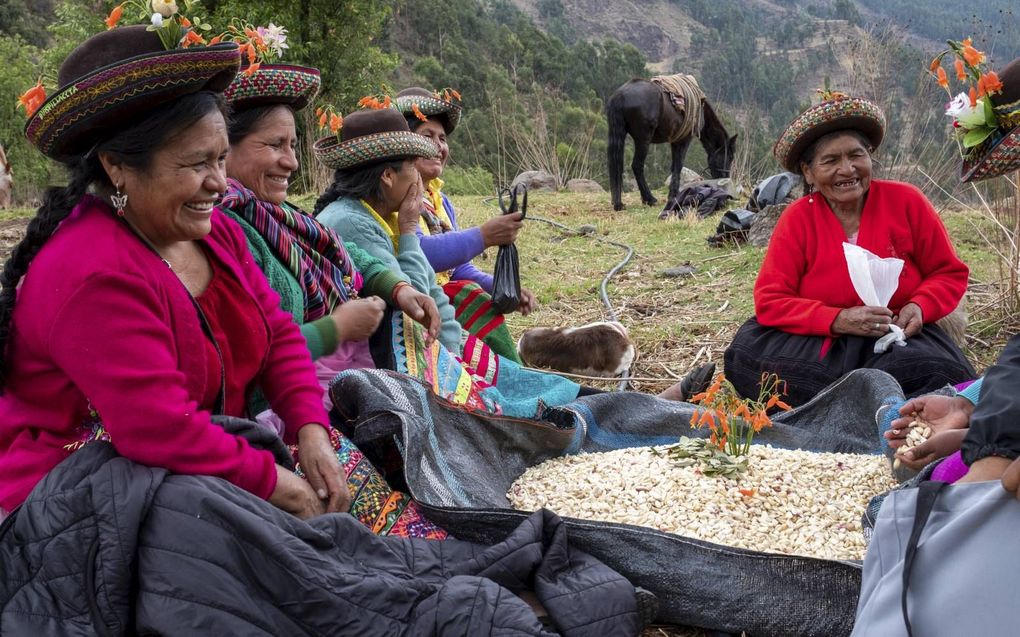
column 468, row 180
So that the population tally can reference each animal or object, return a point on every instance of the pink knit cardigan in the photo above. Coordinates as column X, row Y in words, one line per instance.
column 101, row 323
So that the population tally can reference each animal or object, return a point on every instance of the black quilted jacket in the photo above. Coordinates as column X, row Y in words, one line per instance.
column 104, row 546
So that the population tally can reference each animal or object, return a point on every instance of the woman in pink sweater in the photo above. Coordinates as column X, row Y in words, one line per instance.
column 136, row 314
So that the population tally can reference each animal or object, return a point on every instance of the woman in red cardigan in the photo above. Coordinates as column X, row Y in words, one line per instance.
column 136, row 313
column 810, row 326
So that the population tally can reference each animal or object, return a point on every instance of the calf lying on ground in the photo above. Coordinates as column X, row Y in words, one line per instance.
column 596, row 349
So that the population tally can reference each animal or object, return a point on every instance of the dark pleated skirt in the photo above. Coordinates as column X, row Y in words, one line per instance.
column 929, row 361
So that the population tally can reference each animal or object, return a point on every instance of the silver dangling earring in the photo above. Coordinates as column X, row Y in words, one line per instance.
column 119, row 201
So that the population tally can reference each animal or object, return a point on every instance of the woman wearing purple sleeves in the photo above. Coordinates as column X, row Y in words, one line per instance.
column 449, row 249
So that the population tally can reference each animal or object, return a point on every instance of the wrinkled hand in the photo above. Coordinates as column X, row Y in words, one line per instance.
column 421, row 308
column 909, row 319
column 863, row 320
column 410, row 207
column 501, row 230
column 940, row 445
column 322, row 469
column 941, row 413
column 295, row 496
column 528, row 302
column 357, row 319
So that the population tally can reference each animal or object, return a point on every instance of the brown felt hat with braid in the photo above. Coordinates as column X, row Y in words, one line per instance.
column 116, row 77
column 369, row 136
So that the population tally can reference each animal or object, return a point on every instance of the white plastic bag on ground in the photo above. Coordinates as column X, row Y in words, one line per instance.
column 875, row 281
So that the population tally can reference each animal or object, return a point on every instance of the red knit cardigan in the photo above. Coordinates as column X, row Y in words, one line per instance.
column 101, row 322
column 804, row 282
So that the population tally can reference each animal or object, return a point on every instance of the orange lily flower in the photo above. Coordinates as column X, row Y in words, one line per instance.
column 185, row 22
column 215, row 40
column 386, row 102
column 783, row 405
column 114, row 17
column 322, row 119
column 251, row 54
column 417, row 113
column 961, row 72
column 992, row 82
column 32, row 99
column 248, row 72
column 940, row 74
column 694, row 420
column 455, row 94
column 192, row 38
column 972, row 55
column 973, row 97
column 335, row 122
column 935, row 64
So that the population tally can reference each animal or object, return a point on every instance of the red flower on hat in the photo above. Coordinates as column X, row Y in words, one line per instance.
column 32, row 99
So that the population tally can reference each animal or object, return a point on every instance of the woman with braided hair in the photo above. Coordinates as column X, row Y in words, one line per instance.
column 131, row 311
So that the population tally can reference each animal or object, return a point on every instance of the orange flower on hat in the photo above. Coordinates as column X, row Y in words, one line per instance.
column 248, row 72
column 191, row 38
column 32, row 99
column 972, row 56
column 961, row 72
column 114, row 17
column 943, row 80
column 417, row 113
column 992, row 82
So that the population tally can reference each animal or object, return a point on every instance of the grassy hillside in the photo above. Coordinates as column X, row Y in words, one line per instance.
column 676, row 323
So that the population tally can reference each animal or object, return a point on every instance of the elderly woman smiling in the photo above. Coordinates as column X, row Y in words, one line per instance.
column 810, row 325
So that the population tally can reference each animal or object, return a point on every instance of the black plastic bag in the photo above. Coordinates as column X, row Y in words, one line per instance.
column 506, row 278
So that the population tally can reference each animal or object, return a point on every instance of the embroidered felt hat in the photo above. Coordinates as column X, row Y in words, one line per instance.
column 294, row 86
column 841, row 113
column 117, row 76
column 369, row 136
column 427, row 104
column 1000, row 153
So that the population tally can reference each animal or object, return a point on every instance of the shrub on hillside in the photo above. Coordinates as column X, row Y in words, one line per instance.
column 468, row 180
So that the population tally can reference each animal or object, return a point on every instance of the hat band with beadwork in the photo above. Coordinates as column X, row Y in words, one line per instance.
column 372, row 148
column 109, row 94
column 997, row 156
column 429, row 106
column 295, row 86
column 845, row 113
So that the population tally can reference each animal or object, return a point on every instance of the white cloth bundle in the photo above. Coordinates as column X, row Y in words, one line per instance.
column 875, row 281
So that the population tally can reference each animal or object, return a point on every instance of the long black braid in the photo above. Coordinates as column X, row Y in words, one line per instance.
column 357, row 183
column 135, row 147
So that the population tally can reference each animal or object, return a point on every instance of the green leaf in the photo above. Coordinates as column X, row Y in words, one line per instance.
column 989, row 114
column 976, row 135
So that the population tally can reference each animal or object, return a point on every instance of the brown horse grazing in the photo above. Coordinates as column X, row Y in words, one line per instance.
column 644, row 111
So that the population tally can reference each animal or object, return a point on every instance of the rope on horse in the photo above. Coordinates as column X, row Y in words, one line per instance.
column 686, row 87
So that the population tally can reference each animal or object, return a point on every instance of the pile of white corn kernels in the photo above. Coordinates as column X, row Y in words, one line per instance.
column 792, row 502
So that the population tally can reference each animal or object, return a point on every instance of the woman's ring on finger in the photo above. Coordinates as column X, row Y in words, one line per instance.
column 878, row 326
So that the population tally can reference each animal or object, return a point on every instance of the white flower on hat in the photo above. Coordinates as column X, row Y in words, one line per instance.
column 163, row 8
column 157, row 20
column 275, row 38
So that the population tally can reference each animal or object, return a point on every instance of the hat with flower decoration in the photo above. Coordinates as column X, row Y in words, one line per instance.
column 1000, row 152
column 118, row 76
column 418, row 104
column 369, row 136
column 837, row 112
column 261, row 82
